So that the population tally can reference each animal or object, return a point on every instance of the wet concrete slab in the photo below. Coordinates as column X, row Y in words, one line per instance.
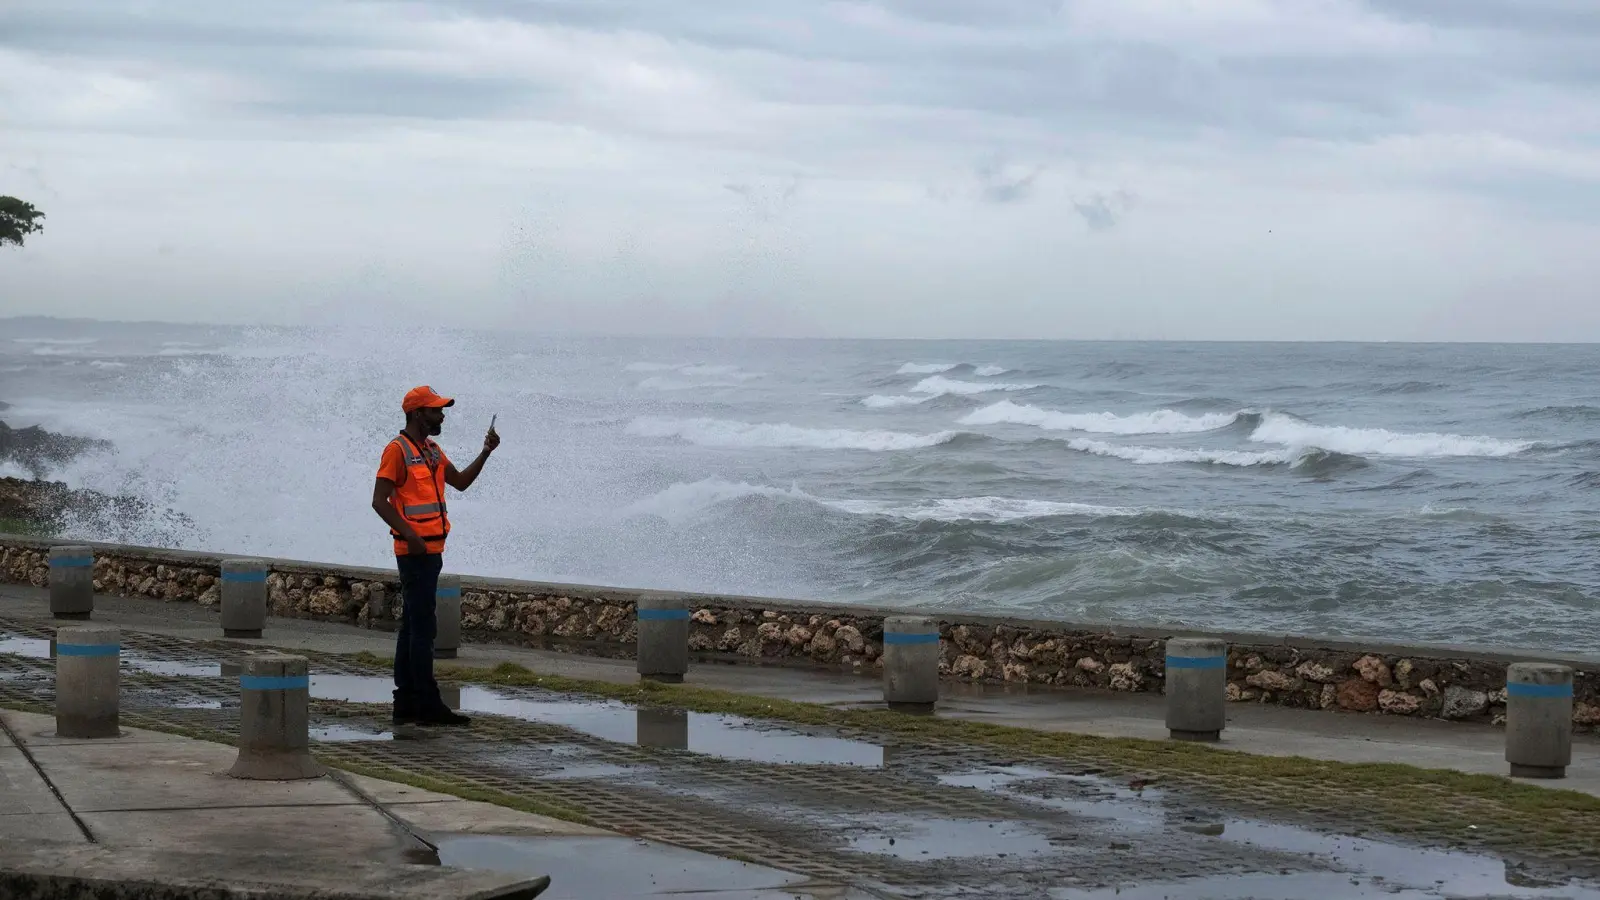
column 333, row 832
column 57, row 826
column 56, row 869
column 174, row 774
column 22, row 791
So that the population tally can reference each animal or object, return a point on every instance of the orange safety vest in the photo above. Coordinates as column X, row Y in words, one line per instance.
column 419, row 499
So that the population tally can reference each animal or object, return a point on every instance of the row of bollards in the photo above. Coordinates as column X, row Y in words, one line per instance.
column 274, row 702
column 243, row 597
column 275, row 688
column 1539, row 696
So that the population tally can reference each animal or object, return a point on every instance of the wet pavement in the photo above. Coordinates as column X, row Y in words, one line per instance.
column 887, row 816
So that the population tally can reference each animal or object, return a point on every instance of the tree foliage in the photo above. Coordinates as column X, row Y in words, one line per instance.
column 18, row 219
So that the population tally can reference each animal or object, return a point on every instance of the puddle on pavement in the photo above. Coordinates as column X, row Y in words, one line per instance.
column 1326, row 885
column 352, row 688
column 1362, row 867
column 586, row 867
column 171, row 668
column 728, row 737
column 1090, row 796
column 933, row 839
column 336, row 733
column 33, row 648
column 197, row 704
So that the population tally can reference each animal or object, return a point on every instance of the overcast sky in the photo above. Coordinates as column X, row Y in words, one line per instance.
column 1272, row 169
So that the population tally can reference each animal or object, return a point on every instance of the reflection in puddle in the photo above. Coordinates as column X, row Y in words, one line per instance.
column 335, row 733
column 587, row 867
column 352, row 688
column 728, row 737
column 907, row 838
column 33, row 648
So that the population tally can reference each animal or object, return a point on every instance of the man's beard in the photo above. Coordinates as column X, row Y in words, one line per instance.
column 435, row 429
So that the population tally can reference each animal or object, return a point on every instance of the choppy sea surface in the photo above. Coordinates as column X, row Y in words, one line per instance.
column 1438, row 493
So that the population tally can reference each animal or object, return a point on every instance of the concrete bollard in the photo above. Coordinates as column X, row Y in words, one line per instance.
column 275, row 719
column 1197, row 688
column 88, row 681
column 1538, row 720
column 71, row 582
column 447, row 610
column 378, row 604
column 663, row 639
column 910, row 663
column 244, row 598
column 667, row 729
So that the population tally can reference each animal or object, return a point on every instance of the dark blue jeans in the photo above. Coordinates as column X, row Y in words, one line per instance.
column 415, row 690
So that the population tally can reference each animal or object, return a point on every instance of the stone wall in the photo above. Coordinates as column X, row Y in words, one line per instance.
column 1445, row 683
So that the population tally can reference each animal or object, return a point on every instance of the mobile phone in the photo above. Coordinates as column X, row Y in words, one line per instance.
column 492, row 420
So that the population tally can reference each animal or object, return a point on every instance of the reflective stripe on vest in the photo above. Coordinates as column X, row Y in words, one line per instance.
column 420, row 497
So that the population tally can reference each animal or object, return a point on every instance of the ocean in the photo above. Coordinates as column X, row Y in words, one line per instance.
column 1417, row 493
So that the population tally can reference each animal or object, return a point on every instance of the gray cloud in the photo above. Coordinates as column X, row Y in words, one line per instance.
column 704, row 155
column 1000, row 184
column 1102, row 211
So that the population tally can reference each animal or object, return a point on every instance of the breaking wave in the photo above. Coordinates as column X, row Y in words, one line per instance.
column 990, row 371
column 1292, row 432
column 683, row 501
column 1151, row 456
column 725, row 433
column 1161, row 421
column 938, row 384
column 1306, row 460
column 885, row 401
column 925, row 368
column 976, row 509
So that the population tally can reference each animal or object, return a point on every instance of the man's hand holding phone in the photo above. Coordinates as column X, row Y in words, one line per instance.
column 492, row 439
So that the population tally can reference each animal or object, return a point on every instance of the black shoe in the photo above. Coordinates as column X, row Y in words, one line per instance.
column 442, row 717
column 405, row 717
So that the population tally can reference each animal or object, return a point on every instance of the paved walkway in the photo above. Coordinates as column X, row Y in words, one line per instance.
column 162, row 798
column 875, row 805
column 1265, row 730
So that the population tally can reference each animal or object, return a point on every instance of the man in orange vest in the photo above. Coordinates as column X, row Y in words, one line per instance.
column 409, row 496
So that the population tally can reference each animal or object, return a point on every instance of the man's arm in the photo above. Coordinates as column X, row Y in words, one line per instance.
column 461, row 480
column 382, row 490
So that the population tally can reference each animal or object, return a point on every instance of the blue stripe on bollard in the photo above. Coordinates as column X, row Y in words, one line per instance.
column 662, row 615
column 275, row 682
column 72, row 562
column 1197, row 662
column 896, row 637
column 1556, row 691
column 88, row 649
column 447, row 592
column 245, row 577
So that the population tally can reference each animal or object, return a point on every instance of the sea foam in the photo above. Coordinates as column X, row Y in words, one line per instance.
column 725, row 433
column 1161, row 421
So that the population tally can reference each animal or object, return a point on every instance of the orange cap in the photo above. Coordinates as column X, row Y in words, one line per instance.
column 421, row 396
